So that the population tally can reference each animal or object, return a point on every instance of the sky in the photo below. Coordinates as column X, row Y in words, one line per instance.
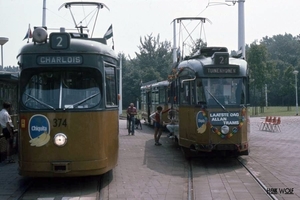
column 133, row 19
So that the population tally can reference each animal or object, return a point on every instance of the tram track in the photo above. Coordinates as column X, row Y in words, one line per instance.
column 190, row 182
column 24, row 187
column 57, row 188
column 271, row 196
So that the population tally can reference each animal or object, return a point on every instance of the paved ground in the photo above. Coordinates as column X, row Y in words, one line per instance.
column 146, row 171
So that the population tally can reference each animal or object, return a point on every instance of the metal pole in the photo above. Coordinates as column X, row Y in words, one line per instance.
column 241, row 28
column 120, row 87
column 266, row 94
column 174, row 43
column 2, row 56
column 44, row 14
column 296, row 93
column 296, row 87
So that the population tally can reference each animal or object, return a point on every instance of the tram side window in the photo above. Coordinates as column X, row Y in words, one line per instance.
column 111, row 89
column 154, row 96
column 185, row 93
column 162, row 95
column 200, row 94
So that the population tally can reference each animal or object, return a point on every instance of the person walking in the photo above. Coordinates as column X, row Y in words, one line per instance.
column 131, row 112
column 158, row 123
column 7, row 130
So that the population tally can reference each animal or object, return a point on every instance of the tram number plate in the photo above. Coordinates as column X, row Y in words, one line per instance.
column 58, row 122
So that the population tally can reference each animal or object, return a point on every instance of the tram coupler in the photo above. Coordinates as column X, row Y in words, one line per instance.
column 60, row 167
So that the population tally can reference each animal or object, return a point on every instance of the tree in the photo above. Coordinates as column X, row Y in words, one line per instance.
column 153, row 62
column 198, row 45
column 283, row 53
column 261, row 72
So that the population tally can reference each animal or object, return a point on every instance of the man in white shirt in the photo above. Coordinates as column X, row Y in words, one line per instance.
column 7, row 129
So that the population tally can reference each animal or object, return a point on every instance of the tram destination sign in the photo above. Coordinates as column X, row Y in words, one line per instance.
column 224, row 118
column 60, row 60
column 221, row 70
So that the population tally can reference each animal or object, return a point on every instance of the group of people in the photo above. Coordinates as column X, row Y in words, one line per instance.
column 7, row 129
column 172, row 125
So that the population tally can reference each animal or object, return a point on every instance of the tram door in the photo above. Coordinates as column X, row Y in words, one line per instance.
column 148, row 102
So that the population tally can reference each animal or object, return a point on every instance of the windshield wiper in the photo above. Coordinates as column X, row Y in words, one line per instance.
column 44, row 104
column 80, row 102
column 216, row 100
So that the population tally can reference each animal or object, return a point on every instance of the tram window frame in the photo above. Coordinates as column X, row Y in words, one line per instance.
column 225, row 90
column 187, row 91
column 200, row 92
column 49, row 85
column 162, row 95
column 155, row 95
column 110, row 85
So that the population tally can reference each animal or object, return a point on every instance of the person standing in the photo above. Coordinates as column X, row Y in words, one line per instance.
column 7, row 129
column 131, row 112
column 158, row 123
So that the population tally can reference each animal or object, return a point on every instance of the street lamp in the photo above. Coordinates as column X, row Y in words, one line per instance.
column 296, row 73
column 3, row 40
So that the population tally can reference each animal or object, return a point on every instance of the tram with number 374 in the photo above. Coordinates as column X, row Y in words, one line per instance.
column 68, row 91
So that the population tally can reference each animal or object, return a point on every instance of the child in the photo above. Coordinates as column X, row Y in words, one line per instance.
column 158, row 123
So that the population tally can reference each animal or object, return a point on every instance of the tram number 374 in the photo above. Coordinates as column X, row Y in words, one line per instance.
column 58, row 122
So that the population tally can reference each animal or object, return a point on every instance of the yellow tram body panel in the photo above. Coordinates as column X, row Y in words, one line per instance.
column 208, row 137
column 91, row 148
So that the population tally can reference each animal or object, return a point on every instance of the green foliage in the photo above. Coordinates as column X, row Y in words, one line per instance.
column 153, row 62
column 198, row 45
column 271, row 61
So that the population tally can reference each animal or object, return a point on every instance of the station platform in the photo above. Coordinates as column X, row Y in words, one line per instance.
column 146, row 171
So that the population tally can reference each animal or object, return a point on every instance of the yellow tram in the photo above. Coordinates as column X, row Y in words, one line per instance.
column 68, row 109
column 213, row 95
column 208, row 94
column 154, row 94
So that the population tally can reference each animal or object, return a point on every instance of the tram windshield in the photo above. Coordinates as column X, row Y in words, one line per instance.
column 224, row 91
column 61, row 90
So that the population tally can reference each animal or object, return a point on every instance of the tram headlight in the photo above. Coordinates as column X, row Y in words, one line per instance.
column 60, row 139
column 224, row 129
column 39, row 35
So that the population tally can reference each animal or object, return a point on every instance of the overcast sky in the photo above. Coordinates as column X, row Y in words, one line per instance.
column 133, row 19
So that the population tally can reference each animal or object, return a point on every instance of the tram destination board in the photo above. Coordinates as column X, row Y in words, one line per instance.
column 58, row 59
column 221, row 70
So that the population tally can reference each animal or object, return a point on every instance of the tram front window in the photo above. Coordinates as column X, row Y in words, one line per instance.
column 61, row 90
column 224, row 91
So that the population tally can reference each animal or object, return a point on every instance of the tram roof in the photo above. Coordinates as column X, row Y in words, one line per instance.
column 77, row 45
column 160, row 84
column 152, row 84
column 197, row 65
column 9, row 77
